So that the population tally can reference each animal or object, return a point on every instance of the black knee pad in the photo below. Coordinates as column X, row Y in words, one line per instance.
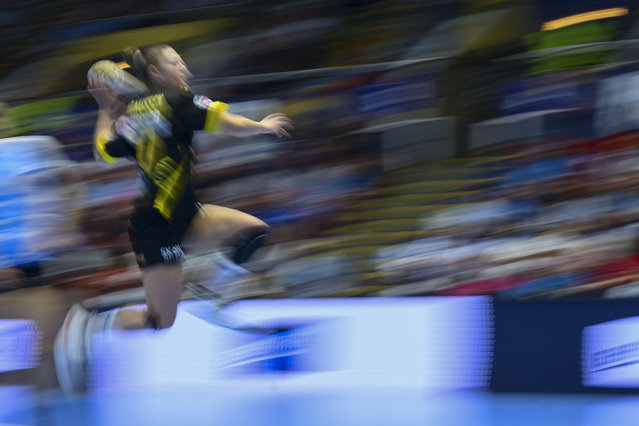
column 249, row 240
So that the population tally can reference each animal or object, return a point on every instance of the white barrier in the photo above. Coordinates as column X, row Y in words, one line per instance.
column 414, row 343
column 610, row 354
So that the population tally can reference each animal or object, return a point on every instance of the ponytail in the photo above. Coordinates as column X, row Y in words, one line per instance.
column 140, row 59
column 135, row 59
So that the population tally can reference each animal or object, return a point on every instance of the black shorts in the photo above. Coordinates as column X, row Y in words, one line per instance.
column 156, row 240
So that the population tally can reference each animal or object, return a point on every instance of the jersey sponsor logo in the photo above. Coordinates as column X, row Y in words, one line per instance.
column 172, row 253
column 155, row 122
column 202, row 101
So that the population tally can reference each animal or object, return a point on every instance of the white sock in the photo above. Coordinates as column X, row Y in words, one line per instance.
column 226, row 264
column 226, row 271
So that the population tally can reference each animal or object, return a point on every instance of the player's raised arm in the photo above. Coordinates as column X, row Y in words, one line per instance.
column 111, row 87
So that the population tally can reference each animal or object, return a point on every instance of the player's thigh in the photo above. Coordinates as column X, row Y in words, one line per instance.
column 213, row 225
column 163, row 287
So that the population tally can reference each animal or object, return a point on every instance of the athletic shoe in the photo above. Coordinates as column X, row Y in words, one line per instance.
column 70, row 351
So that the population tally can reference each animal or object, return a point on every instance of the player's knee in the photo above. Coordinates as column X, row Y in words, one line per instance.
column 259, row 223
column 249, row 241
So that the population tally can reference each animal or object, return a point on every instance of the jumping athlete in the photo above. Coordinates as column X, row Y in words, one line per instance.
column 156, row 131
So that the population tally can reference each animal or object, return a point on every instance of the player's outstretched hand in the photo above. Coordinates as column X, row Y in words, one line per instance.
column 278, row 124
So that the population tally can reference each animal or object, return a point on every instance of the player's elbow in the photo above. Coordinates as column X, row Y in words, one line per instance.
column 229, row 124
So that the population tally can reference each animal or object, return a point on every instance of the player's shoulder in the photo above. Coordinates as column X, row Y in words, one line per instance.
column 188, row 100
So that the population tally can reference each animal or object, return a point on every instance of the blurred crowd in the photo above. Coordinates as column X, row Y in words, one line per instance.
column 540, row 217
column 553, row 225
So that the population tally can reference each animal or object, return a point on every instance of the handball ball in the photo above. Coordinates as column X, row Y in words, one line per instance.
column 117, row 79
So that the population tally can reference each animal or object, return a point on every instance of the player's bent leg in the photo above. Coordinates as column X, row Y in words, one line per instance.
column 163, row 288
column 239, row 235
column 215, row 226
column 72, row 346
column 161, row 283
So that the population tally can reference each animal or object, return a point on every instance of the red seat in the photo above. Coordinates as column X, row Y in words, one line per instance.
column 616, row 268
column 489, row 286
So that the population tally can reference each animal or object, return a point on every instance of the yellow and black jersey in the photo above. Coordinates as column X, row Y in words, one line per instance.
column 157, row 131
